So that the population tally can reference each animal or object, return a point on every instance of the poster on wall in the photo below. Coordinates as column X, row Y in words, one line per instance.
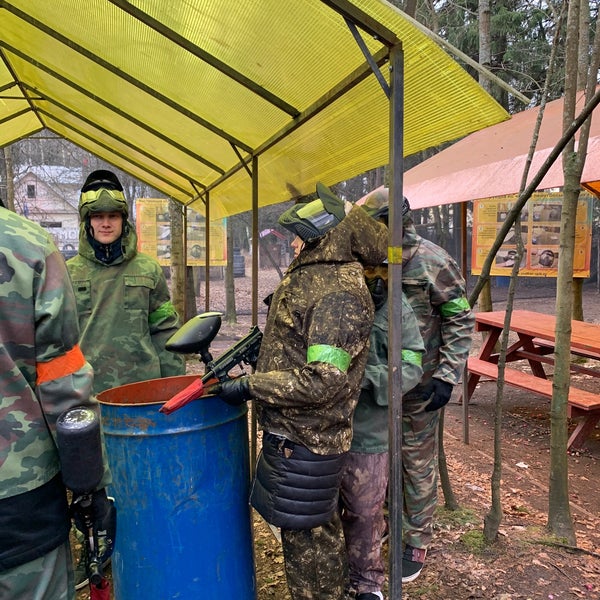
column 153, row 228
column 540, row 232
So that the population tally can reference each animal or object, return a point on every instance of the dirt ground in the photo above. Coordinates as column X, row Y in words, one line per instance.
column 525, row 564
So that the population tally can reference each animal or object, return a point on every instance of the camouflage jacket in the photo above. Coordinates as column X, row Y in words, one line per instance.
column 125, row 315
column 315, row 343
column 371, row 421
column 42, row 370
column 436, row 291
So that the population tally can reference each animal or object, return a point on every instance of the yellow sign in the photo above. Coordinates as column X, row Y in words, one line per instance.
column 540, row 232
column 153, row 227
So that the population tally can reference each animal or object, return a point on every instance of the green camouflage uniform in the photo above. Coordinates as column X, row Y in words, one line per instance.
column 42, row 373
column 436, row 291
column 308, row 375
column 364, row 484
column 125, row 314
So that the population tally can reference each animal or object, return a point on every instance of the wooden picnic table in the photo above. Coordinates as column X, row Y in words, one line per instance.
column 535, row 333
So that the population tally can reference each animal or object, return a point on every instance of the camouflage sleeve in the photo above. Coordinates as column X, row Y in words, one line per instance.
column 375, row 378
column 336, row 334
column 163, row 323
column 412, row 348
column 64, row 377
column 457, row 323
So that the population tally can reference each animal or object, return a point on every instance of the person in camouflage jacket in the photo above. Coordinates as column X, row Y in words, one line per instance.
column 123, row 302
column 43, row 372
column 436, row 290
column 366, row 471
column 306, row 386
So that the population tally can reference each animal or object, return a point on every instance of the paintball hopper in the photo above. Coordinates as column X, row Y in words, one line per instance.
column 196, row 335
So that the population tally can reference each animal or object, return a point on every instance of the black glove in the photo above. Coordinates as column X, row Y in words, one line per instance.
column 96, row 508
column 378, row 289
column 233, row 391
column 440, row 394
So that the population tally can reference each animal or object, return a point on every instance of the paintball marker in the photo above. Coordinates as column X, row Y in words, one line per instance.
column 195, row 336
column 80, row 451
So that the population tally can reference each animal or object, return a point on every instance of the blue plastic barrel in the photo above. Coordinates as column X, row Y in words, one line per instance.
column 180, row 484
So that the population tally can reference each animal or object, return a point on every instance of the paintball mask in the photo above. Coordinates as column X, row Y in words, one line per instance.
column 314, row 219
column 102, row 192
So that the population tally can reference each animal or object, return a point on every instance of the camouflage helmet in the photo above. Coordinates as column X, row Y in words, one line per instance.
column 376, row 203
column 311, row 220
column 102, row 192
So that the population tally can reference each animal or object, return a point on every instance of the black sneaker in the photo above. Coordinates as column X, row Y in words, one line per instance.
column 412, row 563
column 370, row 596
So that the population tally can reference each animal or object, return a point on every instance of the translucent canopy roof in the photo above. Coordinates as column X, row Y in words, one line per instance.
column 183, row 95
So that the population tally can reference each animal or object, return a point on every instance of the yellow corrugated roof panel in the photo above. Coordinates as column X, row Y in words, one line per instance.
column 178, row 94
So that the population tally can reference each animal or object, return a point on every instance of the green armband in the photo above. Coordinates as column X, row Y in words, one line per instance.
column 455, row 307
column 162, row 312
column 329, row 354
column 415, row 358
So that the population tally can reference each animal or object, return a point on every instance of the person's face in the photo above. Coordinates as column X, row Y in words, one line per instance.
column 106, row 226
column 297, row 245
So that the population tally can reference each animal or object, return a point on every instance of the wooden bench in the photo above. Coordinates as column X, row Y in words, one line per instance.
column 549, row 345
column 581, row 403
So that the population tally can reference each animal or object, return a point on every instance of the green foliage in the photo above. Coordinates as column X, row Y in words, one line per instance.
column 474, row 541
column 522, row 34
column 453, row 519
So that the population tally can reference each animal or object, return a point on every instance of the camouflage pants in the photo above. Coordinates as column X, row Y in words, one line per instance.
column 419, row 470
column 362, row 498
column 315, row 561
column 47, row 578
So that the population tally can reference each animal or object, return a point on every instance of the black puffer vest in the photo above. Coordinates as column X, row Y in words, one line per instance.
column 295, row 488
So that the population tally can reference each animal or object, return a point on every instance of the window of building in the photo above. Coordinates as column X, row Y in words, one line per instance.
column 31, row 190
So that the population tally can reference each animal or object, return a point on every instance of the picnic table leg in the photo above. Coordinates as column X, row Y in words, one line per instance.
column 536, row 367
column 583, row 430
column 470, row 380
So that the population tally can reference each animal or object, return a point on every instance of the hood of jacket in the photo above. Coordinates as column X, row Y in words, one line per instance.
column 128, row 244
column 357, row 238
column 410, row 238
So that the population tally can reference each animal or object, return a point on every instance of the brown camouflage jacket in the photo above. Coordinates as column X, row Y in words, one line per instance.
column 436, row 291
column 42, row 369
column 315, row 343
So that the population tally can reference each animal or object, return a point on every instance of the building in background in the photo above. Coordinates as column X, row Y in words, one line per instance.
column 49, row 196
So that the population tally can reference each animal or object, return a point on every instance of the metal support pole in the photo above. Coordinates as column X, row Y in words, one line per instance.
column 255, row 241
column 465, row 376
column 207, row 255
column 395, row 318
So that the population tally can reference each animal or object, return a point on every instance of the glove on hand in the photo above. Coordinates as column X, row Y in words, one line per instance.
column 101, row 511
column 440, row 394
column 233, row 391
column 378, row 289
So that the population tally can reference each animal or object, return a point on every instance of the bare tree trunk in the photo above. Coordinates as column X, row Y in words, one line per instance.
column 485, row 43
column 492, row 520
column 450, row 501
column 9, row 200
column 177, row 257
column 230, row 309
column 578, row 299
column 191, row 309
column 560, row 521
